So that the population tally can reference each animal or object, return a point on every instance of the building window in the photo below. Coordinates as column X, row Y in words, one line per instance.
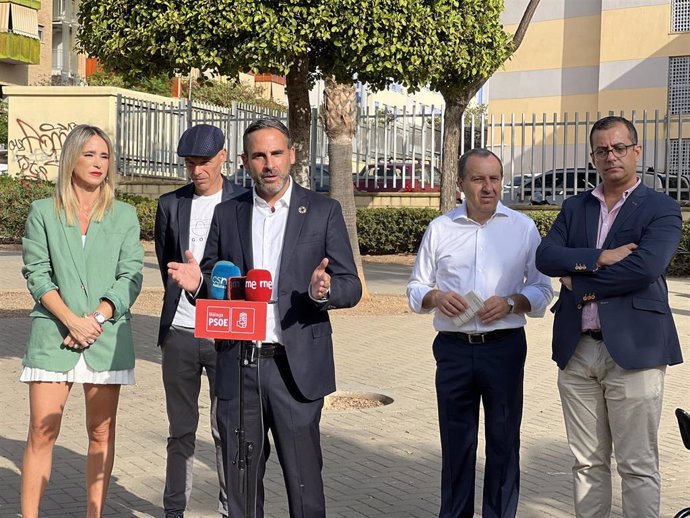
column 41, row 32
column 680, row 15
column 679, row 85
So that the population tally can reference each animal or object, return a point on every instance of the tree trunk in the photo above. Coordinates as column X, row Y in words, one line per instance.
column 339, row 123
column 452, row 121
column 299, row 117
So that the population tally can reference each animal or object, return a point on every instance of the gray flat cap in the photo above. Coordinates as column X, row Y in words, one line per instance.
column 201, row 140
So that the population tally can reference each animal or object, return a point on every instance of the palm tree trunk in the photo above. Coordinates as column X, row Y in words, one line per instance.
column 299, row 117
column 339, row 122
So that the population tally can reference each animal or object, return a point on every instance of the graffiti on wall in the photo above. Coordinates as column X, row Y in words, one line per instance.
column 38, row 147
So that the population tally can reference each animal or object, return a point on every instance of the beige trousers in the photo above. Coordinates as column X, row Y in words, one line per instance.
column 607, row 407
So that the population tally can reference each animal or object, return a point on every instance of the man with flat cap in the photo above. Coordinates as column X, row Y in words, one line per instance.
column 183, row 219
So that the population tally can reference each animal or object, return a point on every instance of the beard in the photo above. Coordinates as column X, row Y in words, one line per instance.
column 273, row 188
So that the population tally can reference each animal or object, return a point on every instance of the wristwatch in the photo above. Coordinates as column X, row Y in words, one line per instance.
column 511, row 305
column 98, row 316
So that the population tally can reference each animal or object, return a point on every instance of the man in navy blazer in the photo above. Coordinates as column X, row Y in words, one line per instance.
column 301, row 238
column 183, row 219
column 613, row 332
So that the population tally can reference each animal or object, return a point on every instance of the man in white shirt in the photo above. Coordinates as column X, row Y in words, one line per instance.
column 183, row 219
column 481, row 251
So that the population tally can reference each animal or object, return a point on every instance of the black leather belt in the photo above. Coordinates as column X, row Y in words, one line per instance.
column 270, row 349
column 479, row 338
column 594, row 333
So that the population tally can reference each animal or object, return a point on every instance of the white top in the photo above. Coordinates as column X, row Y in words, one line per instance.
column 81, row 372
column 268, row 234
column 496, row 258
column 199, row 225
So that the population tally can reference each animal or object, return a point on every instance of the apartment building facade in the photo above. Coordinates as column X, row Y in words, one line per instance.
column 597, row 56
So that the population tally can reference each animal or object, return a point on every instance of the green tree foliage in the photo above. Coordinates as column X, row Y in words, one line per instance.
column 158, row 84
column 224, row 94
column 376, row 41
column 471, row 46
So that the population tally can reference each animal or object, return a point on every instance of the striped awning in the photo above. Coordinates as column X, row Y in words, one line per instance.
column 23, row 20
column 4, row 17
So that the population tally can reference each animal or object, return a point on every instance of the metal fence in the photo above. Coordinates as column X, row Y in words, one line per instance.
column 401, row 150
column 546, row 158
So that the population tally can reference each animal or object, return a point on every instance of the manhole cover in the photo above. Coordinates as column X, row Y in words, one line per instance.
column 343, row 400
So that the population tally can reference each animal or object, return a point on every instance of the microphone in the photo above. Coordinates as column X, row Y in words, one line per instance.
column 259, row 286
column 219, row 278
column 236, row 288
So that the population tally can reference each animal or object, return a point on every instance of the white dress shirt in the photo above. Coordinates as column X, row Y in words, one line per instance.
column 496, row 258
column 268, row 234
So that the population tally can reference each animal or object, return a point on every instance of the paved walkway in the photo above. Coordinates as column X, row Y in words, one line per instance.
column 378, row 463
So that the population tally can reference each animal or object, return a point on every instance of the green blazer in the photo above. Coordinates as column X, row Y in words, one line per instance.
column 109, row 266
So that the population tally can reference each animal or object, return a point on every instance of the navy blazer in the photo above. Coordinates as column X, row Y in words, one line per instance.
column 631, row 295
column 171, row 236
column 315, row 229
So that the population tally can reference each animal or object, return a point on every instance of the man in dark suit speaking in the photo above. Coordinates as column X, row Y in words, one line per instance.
column 613, row 333
column 183, row 219
column 301, row 238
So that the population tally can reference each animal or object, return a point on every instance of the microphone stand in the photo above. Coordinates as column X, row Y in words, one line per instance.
column 245, row 449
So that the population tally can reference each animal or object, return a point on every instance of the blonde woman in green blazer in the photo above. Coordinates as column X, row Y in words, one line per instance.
column 83, row 266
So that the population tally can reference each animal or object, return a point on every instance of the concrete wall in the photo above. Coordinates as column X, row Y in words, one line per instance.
column 41, row 117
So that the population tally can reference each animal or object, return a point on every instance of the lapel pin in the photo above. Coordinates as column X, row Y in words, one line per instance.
column 302, row 209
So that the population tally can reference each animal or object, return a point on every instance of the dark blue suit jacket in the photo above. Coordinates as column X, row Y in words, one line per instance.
column 315, row 229
column 171, row 235
column 631, row 295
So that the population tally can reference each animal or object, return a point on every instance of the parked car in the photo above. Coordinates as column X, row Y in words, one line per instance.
column 320, row 178
column 512, row 190
column 397, row 177
column 553, row 186
column 667, row 183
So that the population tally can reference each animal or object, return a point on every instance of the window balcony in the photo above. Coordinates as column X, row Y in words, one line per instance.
column 19, row 50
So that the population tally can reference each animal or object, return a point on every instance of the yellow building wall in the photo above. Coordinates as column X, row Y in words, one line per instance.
column 616, row 38
column 572, row 42
column 40, row 117
column 549, row 105
column 638, row 99
column 637, row 33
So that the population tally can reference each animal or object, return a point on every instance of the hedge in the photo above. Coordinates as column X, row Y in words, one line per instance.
column 381, row 231
column 17, row 194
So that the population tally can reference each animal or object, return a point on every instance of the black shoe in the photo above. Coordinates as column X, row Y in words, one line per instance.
column 174, row 514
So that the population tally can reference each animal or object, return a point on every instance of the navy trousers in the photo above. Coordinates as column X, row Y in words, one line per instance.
column 294, row 425
column 466, row 374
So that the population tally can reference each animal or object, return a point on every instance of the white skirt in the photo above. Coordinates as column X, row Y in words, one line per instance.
column 81, row 373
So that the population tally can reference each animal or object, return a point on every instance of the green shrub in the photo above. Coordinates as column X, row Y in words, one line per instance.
column 15, row 197
column 392, row 230
column 543, row 219
column 680, row 264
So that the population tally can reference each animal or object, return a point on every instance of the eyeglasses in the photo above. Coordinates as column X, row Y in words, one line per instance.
column 618, row 150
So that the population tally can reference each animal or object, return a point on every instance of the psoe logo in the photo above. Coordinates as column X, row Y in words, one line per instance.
column 243, row 320
column 218, row 319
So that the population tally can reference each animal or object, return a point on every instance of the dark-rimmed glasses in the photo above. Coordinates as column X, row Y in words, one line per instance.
column 618, row 150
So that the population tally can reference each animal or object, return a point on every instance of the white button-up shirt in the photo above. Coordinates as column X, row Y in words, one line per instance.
column 268, row 234
column 496, row 258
